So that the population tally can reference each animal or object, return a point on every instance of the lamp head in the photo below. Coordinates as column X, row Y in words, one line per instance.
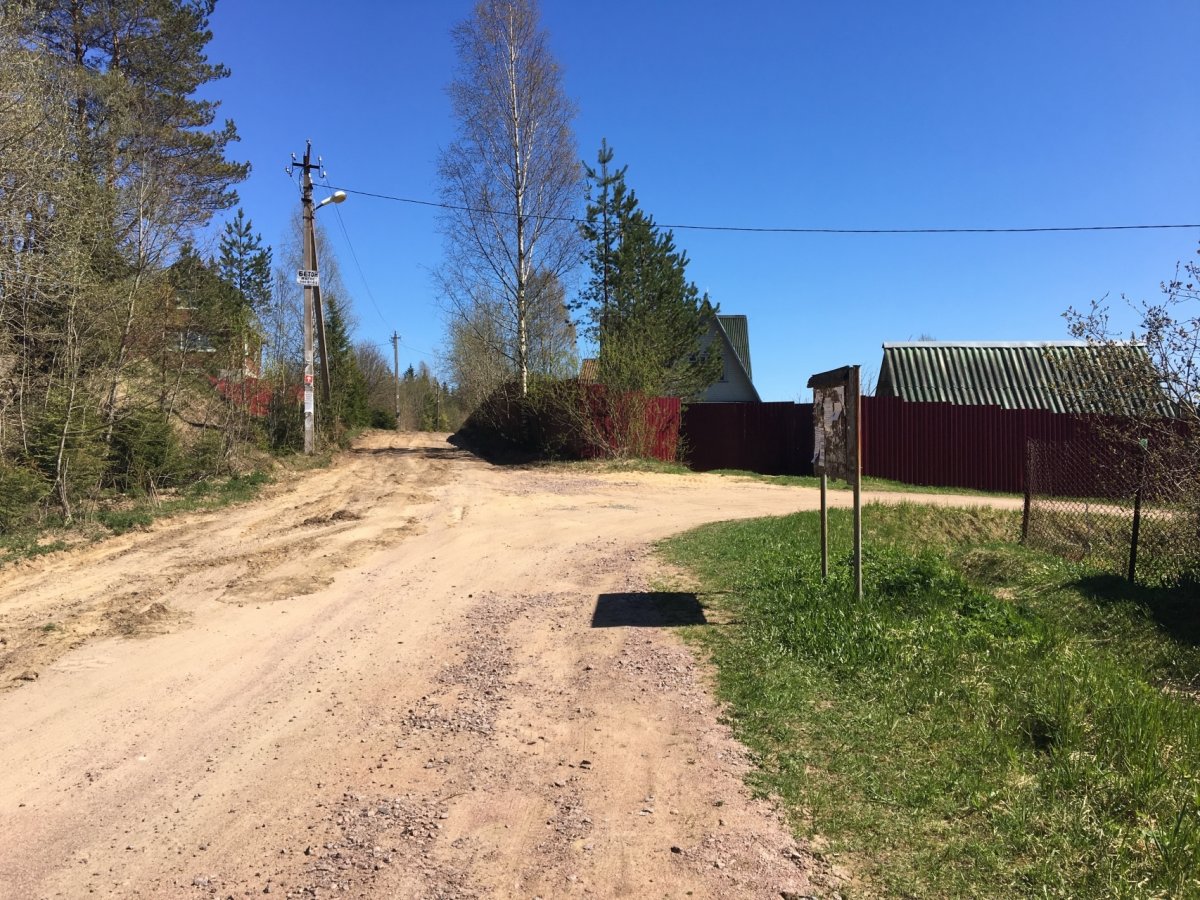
column 335, row 197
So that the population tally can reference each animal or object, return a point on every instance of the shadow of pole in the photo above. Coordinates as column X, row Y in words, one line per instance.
column 647, row 609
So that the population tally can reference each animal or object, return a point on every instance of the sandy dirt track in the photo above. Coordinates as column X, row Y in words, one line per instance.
column 411, row 675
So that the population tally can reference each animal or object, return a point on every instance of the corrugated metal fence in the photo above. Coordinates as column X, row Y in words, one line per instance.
column 979, row 447
column 768, row 438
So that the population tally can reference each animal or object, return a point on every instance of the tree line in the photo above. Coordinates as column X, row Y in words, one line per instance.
column 132, row 359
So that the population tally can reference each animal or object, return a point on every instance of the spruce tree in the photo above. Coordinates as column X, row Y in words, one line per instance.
column 649, row 321
column 349, row 389
column 245, row 263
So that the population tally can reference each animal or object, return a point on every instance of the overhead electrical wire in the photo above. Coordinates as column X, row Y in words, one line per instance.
column 381, row 344
column 361, row 274
column 1041, row 229
column 363, row 277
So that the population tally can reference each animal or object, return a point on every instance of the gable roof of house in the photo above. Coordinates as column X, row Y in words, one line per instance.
column 1053, row 375
column 589, row 370
column 737, row 330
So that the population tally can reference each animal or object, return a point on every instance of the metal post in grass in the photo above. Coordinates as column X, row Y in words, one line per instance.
column 1028, row 491
column 1137, row 510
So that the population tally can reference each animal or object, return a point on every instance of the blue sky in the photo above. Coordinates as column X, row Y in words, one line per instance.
column 791, row 114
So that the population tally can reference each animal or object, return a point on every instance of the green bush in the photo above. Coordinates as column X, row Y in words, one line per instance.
column 543, row 423
column 382, row 418
column 285, row 421
column 21, row 492
column 146, row 452
column 207, row 454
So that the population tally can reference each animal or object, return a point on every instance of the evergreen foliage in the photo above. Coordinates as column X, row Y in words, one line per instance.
column 348, row 402
column 211, row 319
column 245, row 263
column 110, row 161
column 648, row 320
column 136, row 66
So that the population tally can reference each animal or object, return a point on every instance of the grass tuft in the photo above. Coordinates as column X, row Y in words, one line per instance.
column 869, row 483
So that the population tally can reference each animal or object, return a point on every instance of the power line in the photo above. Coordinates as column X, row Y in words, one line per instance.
column 354, row 256
column 388, row 343
column 1044, row 229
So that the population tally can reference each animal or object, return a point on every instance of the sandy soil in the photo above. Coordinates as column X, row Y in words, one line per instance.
column 412, row 675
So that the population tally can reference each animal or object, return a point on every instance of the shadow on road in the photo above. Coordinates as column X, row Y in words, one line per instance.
column 647, row 609
column 417, row 452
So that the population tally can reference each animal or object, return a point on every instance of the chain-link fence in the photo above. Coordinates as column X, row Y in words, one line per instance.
column 1112, row 502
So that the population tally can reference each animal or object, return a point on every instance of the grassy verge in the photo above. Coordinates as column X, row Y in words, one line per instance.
column 869, row 483
column 617, row 465
column 122, row 513
column 987, row 722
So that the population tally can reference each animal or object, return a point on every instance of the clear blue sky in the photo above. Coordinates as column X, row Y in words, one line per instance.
column 844, row 115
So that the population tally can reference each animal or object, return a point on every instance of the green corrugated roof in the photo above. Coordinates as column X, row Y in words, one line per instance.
column 737, row 329
column 1053, row 375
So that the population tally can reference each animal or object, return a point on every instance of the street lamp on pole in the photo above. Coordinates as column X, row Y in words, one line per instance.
column 310, row 279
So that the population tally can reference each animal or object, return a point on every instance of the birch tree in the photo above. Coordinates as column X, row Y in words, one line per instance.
column 512, row 175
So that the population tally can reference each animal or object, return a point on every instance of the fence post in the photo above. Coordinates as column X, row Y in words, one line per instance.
column 1137, row 511
column 1028, row 493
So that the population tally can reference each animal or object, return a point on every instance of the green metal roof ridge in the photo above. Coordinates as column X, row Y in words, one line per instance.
column 1047, row 375
column 737, row 333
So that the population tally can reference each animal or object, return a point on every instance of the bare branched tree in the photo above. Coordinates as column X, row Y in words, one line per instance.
column 512, row 176
column 1154, row 376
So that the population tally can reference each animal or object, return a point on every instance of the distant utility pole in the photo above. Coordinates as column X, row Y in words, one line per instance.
column 311, row 282
column 396, row 373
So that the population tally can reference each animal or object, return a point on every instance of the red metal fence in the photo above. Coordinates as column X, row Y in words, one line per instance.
column 769, row 438
column 979, row 447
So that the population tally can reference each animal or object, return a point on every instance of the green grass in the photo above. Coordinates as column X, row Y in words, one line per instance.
column 617, row 465
column 134, row 514
column 869, row 483
column 1098, row 535
column 988, row 721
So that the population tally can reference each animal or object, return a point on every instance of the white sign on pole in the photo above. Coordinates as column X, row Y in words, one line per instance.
column 307, row 278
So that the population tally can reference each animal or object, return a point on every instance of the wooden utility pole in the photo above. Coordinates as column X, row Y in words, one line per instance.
column 396, row 373
column 313, row 313
column 310, row 265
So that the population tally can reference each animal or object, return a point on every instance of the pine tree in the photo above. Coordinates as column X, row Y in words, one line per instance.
column 649, row 321
column 138, row 65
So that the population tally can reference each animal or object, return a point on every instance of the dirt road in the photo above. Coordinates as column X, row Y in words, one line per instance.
column 412, row 675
